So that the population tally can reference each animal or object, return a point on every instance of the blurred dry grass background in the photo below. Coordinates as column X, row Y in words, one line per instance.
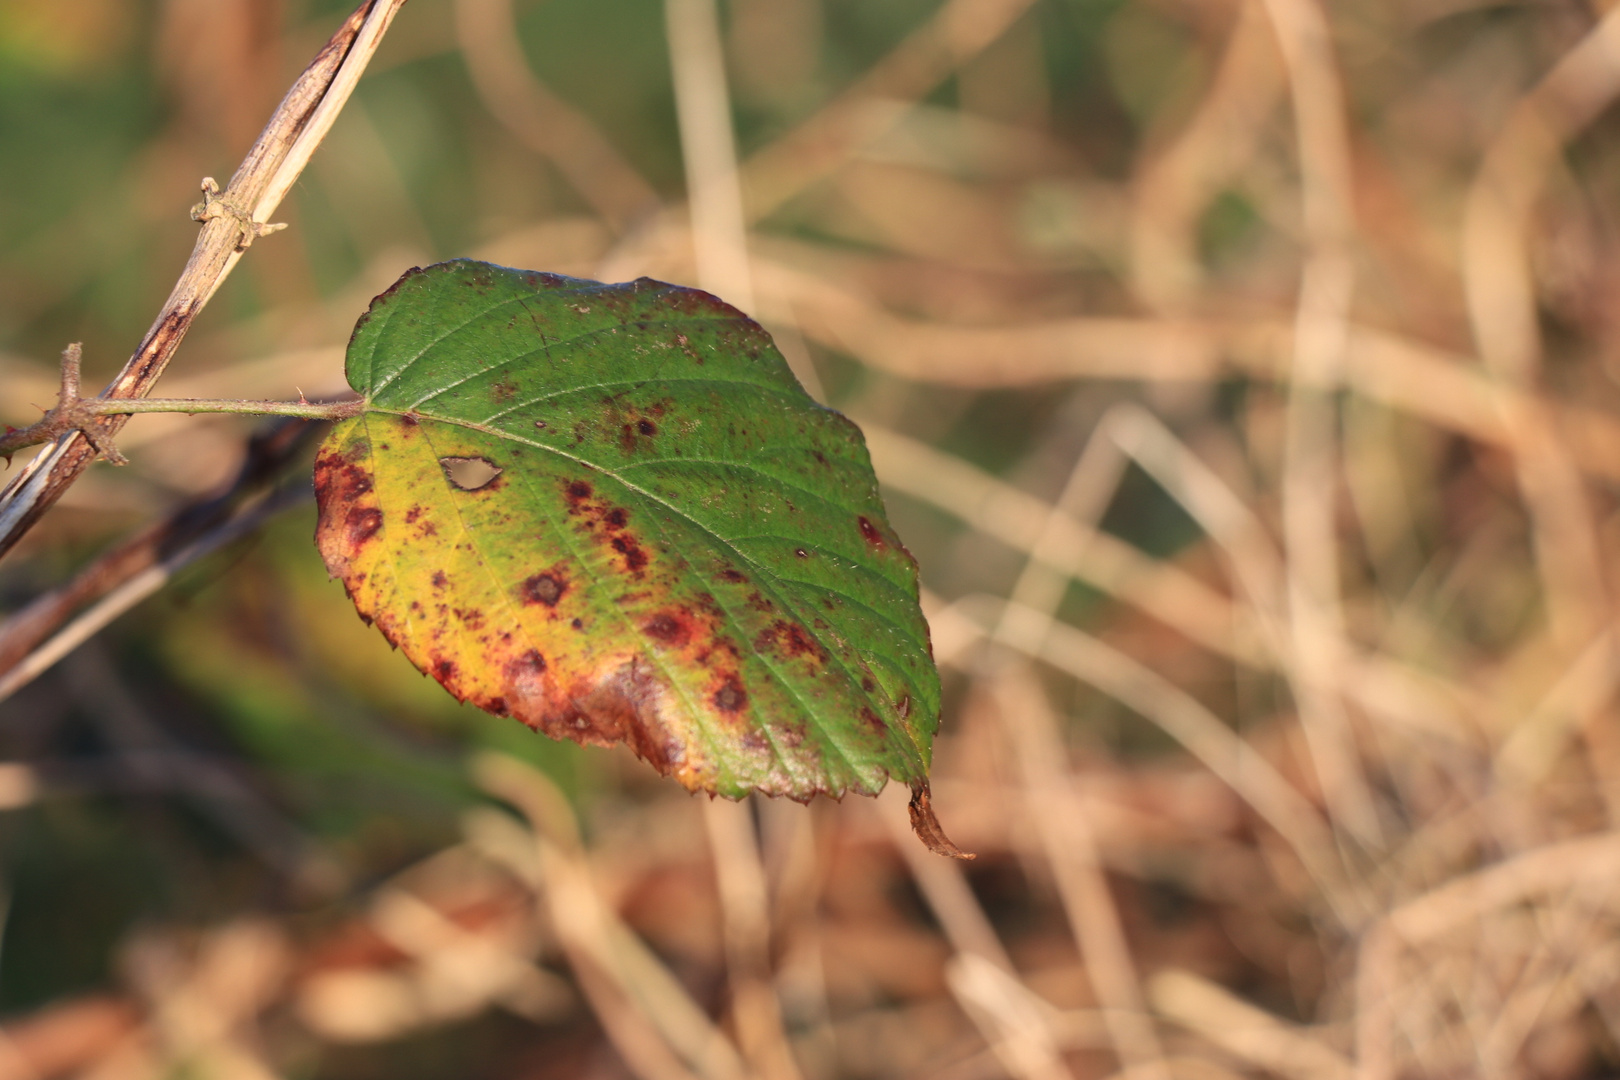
column 1243, row 374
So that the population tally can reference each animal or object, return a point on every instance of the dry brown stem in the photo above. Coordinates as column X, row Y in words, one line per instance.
column 1321, row 328
column 1071, row 848
column 756, row 1011
column 956, row 33
column 147, row 552
column 1176, row 183
column 544, row 122
column 660, row 1031
column 1502, row 308
column 1239, row 1028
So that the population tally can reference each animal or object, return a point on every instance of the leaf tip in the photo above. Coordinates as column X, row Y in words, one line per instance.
column 927, row 827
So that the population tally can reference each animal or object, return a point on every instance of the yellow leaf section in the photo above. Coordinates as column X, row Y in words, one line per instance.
column 550, row 628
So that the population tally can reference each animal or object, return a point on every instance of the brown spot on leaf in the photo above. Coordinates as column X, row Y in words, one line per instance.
column 504, row 390
column 623, row 707
column 790, row 640
column 702, row 304
column 444, row 670
column 732, row 575
column 544, row 589
column 634, row 557
column 439, row 579
column 670, row 628
column 870, row 534
column 353, row 482
column 731, row 697
column 647, row 428
column 413, row 513
column 873, row 720
column 801, row 553
column 361, row 524
column 613, row 521
column 526, row 685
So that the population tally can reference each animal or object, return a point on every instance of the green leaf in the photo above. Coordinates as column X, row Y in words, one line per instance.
column 611, row 512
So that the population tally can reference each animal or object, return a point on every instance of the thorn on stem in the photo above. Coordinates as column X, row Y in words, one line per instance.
column 72, row 359
column 68, row 411
column 215, row 205
column 104, row 446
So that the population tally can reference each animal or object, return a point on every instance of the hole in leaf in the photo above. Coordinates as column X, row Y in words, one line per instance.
column 469, row 473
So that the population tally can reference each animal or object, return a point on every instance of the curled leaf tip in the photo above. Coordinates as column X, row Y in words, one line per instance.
column 927, row 827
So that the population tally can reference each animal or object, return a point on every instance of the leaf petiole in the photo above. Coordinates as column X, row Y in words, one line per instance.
column 74, row 412
column 309, row 410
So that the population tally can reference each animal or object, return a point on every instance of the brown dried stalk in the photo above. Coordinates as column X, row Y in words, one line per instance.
column 29, row 639
column 231, row 220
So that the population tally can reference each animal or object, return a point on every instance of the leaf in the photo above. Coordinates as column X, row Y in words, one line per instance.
column 611, row 512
